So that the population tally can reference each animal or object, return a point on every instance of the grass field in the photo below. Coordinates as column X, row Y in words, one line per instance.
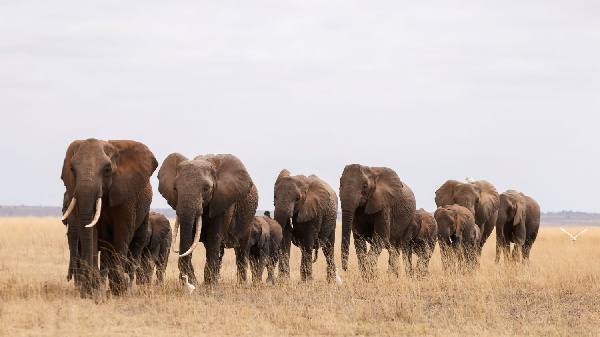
column 557, row 294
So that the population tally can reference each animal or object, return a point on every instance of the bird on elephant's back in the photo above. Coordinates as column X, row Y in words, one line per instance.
column 377, row 208
column 306, row 208
column 480, row 197
column 215, row 201
column 109, row 193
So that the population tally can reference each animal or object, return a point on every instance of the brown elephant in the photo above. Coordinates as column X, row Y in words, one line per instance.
column 306, row 208
column 458, row 236
column 108, row 185
column 518, row 222
column 377, row 208
column 156, row 250
column 215, row 201
column 423, row 243
column 480, row 197
column 264, row 246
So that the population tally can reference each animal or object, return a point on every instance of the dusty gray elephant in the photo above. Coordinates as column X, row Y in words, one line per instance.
column 458, row 236
column 215, row 201
column 264, row 247
column 156, row 251
column 518, row 222
column 377, row 208
column 480, row 197
column 306, row 208
column 423, row 243
column 108, row 185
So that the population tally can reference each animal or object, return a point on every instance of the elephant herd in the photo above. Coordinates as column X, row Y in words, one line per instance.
column 113, row 235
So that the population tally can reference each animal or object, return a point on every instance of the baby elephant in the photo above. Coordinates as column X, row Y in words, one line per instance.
column 423, row 242
column 156, row 251
column 264, row 244
column 458, row 235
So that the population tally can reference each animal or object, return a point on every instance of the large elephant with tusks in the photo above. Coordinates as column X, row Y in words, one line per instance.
column 108, row 187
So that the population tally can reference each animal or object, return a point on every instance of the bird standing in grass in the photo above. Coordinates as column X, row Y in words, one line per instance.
column 188, row 285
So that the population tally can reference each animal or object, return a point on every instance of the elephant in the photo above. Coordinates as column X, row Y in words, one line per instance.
column 378, row 208
column 480, row 197
column 459, row 237
column 108, row 186
column 264, row 245
column 306, row 208
column 215, row 201
column 518, row 222
column 156, row 251
column 423, row 243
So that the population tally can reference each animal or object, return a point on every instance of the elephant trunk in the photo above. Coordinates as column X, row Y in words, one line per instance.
column 347, row 220
column 188, row 237
column 284, row 216
column 87, row 212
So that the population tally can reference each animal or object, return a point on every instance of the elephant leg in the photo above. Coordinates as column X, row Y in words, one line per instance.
column 422, row 258
column 527, row 246
column 306, row 263
column 328, row 252
column 213, row 252
column 144, row 271
column 253, row 260
column 393, row 261
column 458, row 251
column 284, row 256
column 161, row 260
column 271, row 263
column 361, row 254
column 487, row 229
column 241, row 257
column 499, row 244
column 375, row 250
column 407, row 252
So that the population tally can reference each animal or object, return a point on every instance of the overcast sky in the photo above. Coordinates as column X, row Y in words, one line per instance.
column 506, row 91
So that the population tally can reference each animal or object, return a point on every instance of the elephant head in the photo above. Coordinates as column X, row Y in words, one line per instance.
column 371, row 188
column 205, row 186
column 479, row 197
column 96, row 170
column 298, row 198
column 513, row 208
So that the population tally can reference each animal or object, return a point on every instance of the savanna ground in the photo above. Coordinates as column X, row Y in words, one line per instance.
column 557, row 294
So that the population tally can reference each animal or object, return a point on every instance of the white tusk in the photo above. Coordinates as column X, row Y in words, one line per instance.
column 176, row 250
column 69, row 210
column 291, row 224
column 97, row 215
column 196, row 237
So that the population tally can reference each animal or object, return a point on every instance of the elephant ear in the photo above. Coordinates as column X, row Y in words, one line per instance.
column 135, row 165
column 284, row 173
column 317, row 197
column 521, row 211
column 465, row 218
column 166, row 178
column 387, row 191
column 232, row 182
column 488, row 203
column 445, row 194
column 67, row 176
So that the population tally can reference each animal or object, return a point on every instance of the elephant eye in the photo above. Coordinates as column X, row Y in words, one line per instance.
column 108, row 169
column 205, row 189
column 297, row 199
column 174, row 188
column 365, row 186
column 72, row 169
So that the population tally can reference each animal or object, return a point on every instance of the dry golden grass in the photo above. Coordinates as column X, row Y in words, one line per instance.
column 557, row 294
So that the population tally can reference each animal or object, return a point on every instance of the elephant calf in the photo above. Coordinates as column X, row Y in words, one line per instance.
column 425, row 231
column 156, row 251
column 264, row 246
column 518, row 222
column 458, row 235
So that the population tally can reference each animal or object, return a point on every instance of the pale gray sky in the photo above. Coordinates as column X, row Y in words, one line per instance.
column 506, row 91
